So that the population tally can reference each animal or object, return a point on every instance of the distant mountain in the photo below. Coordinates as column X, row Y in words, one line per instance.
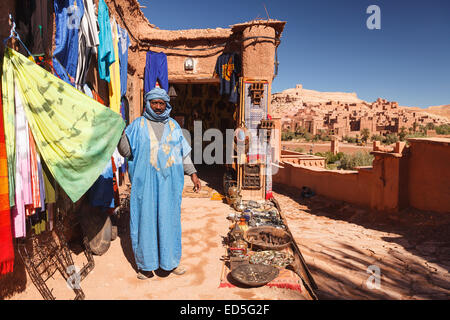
column 442, row 111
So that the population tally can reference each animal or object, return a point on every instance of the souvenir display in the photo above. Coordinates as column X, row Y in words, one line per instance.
column 272, row 258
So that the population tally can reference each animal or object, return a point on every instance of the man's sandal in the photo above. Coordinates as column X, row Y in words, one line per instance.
column 179, row 270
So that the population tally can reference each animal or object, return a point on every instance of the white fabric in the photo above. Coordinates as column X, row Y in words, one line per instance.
column 87, row 42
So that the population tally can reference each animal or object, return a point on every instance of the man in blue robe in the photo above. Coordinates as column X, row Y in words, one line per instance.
column 158, row 158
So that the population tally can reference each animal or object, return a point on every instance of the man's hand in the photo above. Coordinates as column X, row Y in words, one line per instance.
column 196, row 181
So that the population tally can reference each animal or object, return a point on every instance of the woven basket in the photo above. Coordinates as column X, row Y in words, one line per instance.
column 254, row 274
column 260, row 237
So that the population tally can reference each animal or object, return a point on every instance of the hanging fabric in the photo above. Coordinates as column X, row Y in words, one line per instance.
column 74, row 134
column 22, row 166
column 114, row 72
column 34, row 178
column 155, row 70
column 105, row 49
column 228, row 69
column 6, row 244
column 32, row 24
column 87, row 42
column 68, row 14
column 124, row 44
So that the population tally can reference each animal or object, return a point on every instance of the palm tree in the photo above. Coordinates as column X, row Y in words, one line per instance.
column 365, row 133
column 402, row 133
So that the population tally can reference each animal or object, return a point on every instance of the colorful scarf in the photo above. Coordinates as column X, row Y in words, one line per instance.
column 74, row 134
column 6, row 244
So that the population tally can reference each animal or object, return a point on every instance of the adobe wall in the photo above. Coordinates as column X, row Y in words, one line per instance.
column 342, row 185
column 384, row 182
column 417, row 176
column 429, row 174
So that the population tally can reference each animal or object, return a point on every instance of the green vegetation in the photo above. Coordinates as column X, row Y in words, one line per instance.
column 442, row 129
column 302, row 134
column 402, row 134
column 287, row 136
column 388, row 139
column 330, row 157
column 365, row 133
column 346, row 161
column 359, row 159
column 413, row 132
column 350, row 139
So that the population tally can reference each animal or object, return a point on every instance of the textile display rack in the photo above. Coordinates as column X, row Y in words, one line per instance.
column 48, row 252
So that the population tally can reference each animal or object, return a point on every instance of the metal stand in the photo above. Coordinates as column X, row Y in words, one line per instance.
column 47, row 253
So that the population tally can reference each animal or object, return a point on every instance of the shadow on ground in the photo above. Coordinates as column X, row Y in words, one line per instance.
column 419, row 269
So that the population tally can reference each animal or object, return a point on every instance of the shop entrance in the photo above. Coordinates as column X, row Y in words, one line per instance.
column 203, row 102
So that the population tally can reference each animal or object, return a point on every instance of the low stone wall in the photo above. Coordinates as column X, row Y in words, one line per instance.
column 417, row 176
column 340, row 185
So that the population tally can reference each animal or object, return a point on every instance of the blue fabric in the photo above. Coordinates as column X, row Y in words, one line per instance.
column 228, row 68
column 155, row 200
column 124, row 43
column 155, row 69
column 106, row 48
column 157, row 93
column 68, row 14
column 101, row 194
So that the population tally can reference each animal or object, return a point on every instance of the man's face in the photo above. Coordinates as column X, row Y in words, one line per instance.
column 158, row 106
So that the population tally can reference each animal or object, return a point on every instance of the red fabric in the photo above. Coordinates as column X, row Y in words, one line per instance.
column 115, row 185
column 287, row 279
column 6, row 244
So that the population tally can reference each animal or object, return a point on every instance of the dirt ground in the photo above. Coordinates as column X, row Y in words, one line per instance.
column 338, row 241
column 114, row 276
column 324, row 147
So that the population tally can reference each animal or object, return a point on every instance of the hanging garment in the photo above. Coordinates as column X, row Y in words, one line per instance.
column 125, row 109
column 124, row 44
column 87, row 42
column 32, row 24
column 34, row 175
column 155, row 70
column 6, row 244
column 114, row 73
column 22, row 165
column 101, row 194
column 41, row 182
column 228, row 69
column 157, row 179
column 68, row 14
column 75, row 135
column 106, row 48
column 103, row 191
column 49, row 185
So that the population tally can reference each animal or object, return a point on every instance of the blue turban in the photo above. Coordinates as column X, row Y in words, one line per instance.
column 157, row 93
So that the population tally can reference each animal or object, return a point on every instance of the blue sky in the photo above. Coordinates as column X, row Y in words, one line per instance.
column 326, row 45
